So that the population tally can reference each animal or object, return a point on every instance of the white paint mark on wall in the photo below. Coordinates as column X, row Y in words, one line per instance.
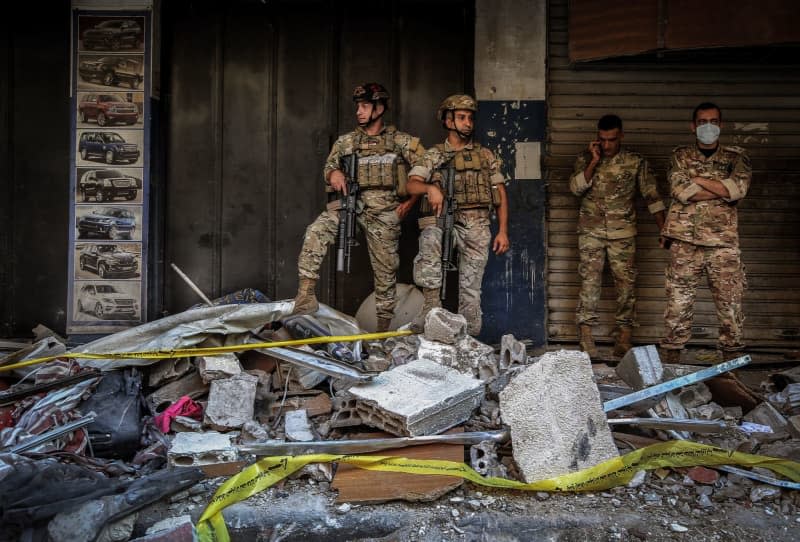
column 528, row 160
column 761, row 127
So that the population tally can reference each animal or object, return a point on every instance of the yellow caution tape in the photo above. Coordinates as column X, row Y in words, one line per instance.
column 614, row 472
column 210, row 351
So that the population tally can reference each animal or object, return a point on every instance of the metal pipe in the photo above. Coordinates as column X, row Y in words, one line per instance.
column 51, row 435
column 680, row 424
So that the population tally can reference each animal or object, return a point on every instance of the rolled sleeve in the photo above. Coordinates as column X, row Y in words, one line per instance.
column 578, row 183
column 420, row 171
column 733, row 190
column 656, row 207
column 686, row 193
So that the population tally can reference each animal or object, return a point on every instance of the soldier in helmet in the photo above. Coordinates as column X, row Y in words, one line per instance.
column 606, row 178
column 479, row 187
column 384, row 156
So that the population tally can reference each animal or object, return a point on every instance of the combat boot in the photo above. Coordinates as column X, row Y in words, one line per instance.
column 669, row 355
column 586, row 340
column 431, row 301
column 622, row 341
column 383, row 324
column 306, row 300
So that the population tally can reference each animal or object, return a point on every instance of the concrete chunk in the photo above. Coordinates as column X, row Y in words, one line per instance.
column 196, row 449
column 766, row 414
column 297, row 427
column 231, row 402
column 443, row 326
column 641, row 367
column 419, row 398
column 441, row 353
column 218, row 367
column 695, row 395
column 512, row 351
column 476, row 358
column 556, row 417
column 190, row 384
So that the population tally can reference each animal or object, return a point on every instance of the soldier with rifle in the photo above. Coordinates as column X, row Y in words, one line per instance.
column 365, row 175
column 462, row 183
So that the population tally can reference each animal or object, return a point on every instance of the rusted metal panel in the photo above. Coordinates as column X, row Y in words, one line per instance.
column 601, row 29
column 758, row 91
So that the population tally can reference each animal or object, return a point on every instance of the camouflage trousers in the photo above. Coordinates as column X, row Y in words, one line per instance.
column 471, row 236
column 726, row 280
column 381, row 227
column 622, row 261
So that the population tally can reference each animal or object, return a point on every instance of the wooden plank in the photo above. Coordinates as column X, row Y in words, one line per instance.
column 359, row 485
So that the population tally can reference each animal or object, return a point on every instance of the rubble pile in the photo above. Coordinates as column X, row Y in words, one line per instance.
column 95, row 441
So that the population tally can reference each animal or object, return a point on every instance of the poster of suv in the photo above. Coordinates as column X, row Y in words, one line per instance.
column 103, row 72
column 110, row 109
column 106, row 185
column 111, row 33
column 103, row 301
column 106, row 260
column 108, row 222
column 100, row 148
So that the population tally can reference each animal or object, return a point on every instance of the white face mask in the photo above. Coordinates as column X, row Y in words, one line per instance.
column 707, row 134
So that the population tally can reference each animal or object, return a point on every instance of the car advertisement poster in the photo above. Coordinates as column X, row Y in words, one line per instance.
column 109, row 170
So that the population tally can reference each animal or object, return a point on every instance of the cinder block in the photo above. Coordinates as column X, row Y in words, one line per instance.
column 511, row 351
column 344, row 412
column 196, row 449
column 231, row 402
column 641, row 367
column 218, row 367
column 443, row 326
column 419, row 398
column 556, row 417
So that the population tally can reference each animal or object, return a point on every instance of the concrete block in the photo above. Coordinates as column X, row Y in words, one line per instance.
column 190, row 384
column 512, row 351
column 483, row 459
column 641, row 367
column 695, row 395
column 196, row 449
column 766, row 414
column 443, row 326
column 556, row 417
column 419, row 398
column 217, row 367
column 476, row 358
column 296, row 426
column 231, row 402
column 344, row 412
column 441, row 353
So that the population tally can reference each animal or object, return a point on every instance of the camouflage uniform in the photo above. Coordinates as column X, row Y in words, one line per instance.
column 705, row 237
column 385, row 156
column 607, row 224
column 471, row 233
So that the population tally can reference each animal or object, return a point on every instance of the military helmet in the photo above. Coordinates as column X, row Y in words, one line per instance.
column 456, row 101
column 370, row 92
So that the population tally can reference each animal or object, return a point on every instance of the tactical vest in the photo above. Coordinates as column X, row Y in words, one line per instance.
column 473, row 187
column 379, row 163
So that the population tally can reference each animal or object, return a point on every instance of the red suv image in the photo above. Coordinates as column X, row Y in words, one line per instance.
column 107, row 108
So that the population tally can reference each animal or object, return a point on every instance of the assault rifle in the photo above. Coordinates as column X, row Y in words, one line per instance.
column 347, row 214
column 446, row 221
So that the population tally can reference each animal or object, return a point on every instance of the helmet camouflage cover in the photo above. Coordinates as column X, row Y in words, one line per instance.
column 370, row 92
column 456, row 101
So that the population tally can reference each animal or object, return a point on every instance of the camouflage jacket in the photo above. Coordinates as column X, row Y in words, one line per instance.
column 607, row 200
column 395, row 147
column 711, row 223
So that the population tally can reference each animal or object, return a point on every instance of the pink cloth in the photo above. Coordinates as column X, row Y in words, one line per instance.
column 182, row 407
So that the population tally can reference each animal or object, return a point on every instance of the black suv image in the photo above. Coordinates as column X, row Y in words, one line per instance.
column 107, row 184
column 108, row 260
column 111, row 223
column 112, row 70
column 108, row 146
column 113, row 34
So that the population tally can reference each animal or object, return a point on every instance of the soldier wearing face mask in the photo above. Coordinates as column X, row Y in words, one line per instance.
column 707, row 181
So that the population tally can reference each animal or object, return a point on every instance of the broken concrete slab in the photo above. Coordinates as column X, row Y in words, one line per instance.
column 766, row 414
column 512, row 351
column 641, row 367
column 190, row 384
column 197, row 449
column 169, row 369
column 218, row 367
column 556, row 417
column 419, row 398
column 231, row 402
column 344, row 412
column 297, row 427
column 444, row 326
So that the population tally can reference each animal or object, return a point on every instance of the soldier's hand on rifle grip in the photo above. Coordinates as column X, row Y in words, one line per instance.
column 435, row 198
column 338, row 181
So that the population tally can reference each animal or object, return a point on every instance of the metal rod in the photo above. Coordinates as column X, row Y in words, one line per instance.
column 370, row 445
column 51, row 435
column 670, row 385
column 680, row 424
column 192, row 285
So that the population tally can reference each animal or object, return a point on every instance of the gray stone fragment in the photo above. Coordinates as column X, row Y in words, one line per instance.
column 709, row 411
column 190, row 384
column 196, row 449
column 218, row 367
column 231, row 402
column 297, row 427
column 641, row 367
column 483, row 458
column 419, row 398
column 694, row 395
column 478, row 357
column 377, row 362
column 441, row 353
column 253, row 431
column 556, row 417
column 444, row 326
column 766, row 414
column 512, row 351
